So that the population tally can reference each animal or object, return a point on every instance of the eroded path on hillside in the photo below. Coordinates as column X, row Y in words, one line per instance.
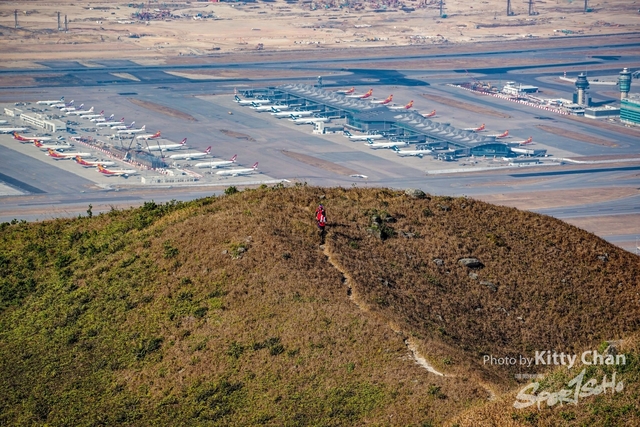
column 348, row 281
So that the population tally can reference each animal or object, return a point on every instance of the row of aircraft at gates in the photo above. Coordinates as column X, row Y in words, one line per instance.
column 59, row 150
column 310, row 117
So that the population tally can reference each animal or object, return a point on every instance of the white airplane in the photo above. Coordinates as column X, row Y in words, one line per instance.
column 402, row 107
column 50, row 102
column 65, row 156
column 476, row 129
column 101, row 119
column 217, row 163
column 429, row 115
column 377, row 145
column 91, row 164
column 157, row 135
column 21, row 138
column 125, row 173
column 131, row 131
column 69, row 107
column 80, row 112
column 347, row 91
column 249, row 102
column 260, row 108
column 12, row 130
column 191, row 156
column 309, row 120
column 281, row 114
column 110, row 123
column 504, row 134
column 360, row 137
column 123, row 126
column 56, row 147
column 164, row 147
column 383, row 101
column 527, row 141
column 298, row 114
column 362, row 96
column 238, row 172
column 409, row 153
column 63, row 105
column 92, row 116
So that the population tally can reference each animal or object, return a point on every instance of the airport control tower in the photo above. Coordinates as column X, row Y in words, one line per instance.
column 624, row 82
column 581, row 89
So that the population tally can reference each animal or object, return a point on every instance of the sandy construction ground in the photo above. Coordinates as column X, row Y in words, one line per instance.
column 107, row 30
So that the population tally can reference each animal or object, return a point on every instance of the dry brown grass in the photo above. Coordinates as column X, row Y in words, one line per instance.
column 275, row 319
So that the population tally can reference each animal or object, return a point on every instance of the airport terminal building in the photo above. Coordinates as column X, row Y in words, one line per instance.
column 394, row 123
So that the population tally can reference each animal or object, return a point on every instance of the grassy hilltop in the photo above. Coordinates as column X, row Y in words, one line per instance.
column 226, row 311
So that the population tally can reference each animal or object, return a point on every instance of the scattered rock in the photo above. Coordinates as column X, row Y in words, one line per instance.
column 604, row 258
column 225, row 252
column 415, row 193
column 471, row 262
column 474, row 276
column 407, row 235
column 389, row 219
column 489, row 285
column 322, row 197
column 375, row 219
column 385, row 282
column 438, row 262
column 445, row 208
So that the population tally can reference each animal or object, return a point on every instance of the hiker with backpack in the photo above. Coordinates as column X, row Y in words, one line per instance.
column 321, row 221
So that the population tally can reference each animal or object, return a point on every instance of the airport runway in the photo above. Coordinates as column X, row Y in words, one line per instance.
column 50, row 191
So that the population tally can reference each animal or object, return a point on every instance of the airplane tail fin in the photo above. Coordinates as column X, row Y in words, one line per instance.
column 37, row 143
column 237, row 98
column 184, row 141
column 396, row 149
column 347, row 133
column 255, row 165
column 233, row 159
column 101, row 113
column 78, row 159
column 409, row 105
column 481, row 127
column 369, row 141
column 208, row 150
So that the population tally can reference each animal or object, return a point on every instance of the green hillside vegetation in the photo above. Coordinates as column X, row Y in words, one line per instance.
column 227, row 311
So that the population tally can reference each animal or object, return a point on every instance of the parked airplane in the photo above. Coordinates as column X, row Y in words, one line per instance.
column 123, row 126
column 21, row 138
column 125, row 173
column 478, row 129
column 102, row 119
column 408, row 153
column 347, row 91
column 376, row 145
column 167, row 147
column 91, row 164
column 238, row 172
column 191, row 156
column 79, row 112
column 69, row 107
column 63, row 105
column 526, row 141
column 92, row 116
column 298, row 114
column 12, row 130
column 505, row 134
column 250, row 101
column 360, row 137
column 50, row 102
column 152, row 136
column 282, row 113
column 217, row 163
column 362, row 96
column 65, row 156
column 308, row 120
column 131, row 131
column 56, row 147
column 429, row 115
column 259, row 107
column 384, row 101
column 402, row 107
column 110, row 123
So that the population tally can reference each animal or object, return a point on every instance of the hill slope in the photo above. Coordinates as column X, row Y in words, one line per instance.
column 227, row 311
